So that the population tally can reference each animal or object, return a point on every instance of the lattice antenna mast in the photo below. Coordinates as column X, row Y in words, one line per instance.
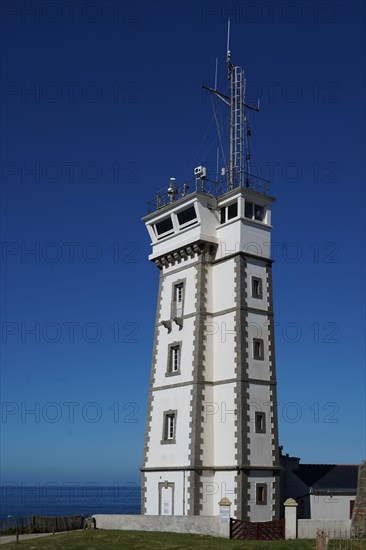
column 239, row 163
column 237, row 119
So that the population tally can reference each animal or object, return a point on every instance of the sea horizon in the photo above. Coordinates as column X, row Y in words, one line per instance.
column 64, row 499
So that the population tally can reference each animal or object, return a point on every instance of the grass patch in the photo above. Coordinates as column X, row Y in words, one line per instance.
column 113, row 540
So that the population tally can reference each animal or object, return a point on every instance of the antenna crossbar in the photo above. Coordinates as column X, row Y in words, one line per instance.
column 239, row 162
column 228, row 98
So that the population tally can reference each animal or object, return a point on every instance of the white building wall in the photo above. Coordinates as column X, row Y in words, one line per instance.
column 215, row 486
column 209, row 493
column 229, row 238
column 209, row 290
column 223, row 341
column 224, row 425
column 223, row 288
column 210, row 331
column 179, row 478
column 219, row 413
column 255, row 238
column 330, row 506
column 225, row 484
column 170, row 279
column 262, row 512
column 244, row 236
column 257, row 328
column 170, row 454
column 261, row 448
column 208, row 426
column 255, row 268
column 183, row 335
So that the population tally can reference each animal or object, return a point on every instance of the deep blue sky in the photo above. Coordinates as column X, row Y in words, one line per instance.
column 117, row 110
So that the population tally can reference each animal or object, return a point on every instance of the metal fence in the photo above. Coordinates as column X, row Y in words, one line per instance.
column 338, row 540
column 167, row 196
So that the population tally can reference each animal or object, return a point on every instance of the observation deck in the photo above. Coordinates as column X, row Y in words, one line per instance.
column 205, row 186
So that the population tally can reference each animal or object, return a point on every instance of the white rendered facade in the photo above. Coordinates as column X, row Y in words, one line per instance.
column 211, row 429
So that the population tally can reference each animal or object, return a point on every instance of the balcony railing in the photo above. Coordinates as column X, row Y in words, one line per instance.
column 167, row 196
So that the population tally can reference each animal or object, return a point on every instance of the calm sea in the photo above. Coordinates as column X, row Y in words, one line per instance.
column 54, row 499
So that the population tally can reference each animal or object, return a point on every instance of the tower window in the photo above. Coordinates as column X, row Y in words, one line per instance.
column 260, row 422
column 187, row 217
column 258, row 212
column 223, row 215
column 258, row 349
column 229, row 212
column 169, row 426
column 174, row 358
column 178, row 299
column 257, row 290
column 232, row 211
column 174, row 354
column 164, row 228
column 254, row 211
column 261, row 493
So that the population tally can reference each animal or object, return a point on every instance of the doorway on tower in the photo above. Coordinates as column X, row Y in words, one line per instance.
column 166, row 498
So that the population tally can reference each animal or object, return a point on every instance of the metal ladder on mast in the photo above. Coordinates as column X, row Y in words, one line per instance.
column 237, row 127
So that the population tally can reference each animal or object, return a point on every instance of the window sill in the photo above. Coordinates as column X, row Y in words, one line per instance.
column 175, row 232
column 165, row 235
column 167, row 442
column 228, row 222
column 256, row 222
column 175, row 373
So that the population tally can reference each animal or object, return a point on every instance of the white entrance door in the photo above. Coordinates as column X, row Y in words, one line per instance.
column 166, row 497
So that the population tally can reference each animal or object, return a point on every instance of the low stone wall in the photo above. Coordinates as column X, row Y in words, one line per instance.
column 210, row 525
column 334, row 528
column 200, row 525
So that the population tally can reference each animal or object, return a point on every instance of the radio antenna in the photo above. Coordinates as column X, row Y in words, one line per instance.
column 228, row 42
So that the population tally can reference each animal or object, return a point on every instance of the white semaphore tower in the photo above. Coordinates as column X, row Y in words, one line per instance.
column 211, row 429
